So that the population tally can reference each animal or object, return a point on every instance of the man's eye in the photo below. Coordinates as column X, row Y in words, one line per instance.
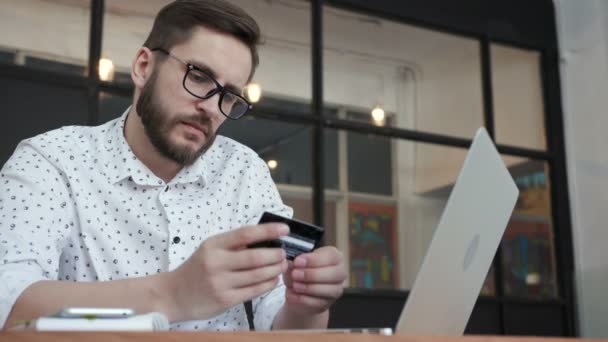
column 199, row 77
column 229, row 98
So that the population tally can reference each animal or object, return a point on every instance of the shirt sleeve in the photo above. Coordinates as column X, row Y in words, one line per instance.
column 34, row 223
column 265, row 197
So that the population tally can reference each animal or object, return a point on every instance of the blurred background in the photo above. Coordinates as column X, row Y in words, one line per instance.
column 364, row 112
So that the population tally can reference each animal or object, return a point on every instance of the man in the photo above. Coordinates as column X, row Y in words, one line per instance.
column 152, row 210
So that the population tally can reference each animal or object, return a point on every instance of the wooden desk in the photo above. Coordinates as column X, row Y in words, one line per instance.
column 253, row 337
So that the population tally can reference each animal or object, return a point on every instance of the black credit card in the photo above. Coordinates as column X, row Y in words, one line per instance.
column 302, row 238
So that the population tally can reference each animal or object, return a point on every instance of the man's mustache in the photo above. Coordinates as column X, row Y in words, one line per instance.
column 196, row 118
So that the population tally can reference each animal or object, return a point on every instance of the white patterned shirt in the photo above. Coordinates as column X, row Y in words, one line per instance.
column 77, row 205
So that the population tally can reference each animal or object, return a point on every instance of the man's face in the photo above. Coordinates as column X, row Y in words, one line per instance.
column 180, row 126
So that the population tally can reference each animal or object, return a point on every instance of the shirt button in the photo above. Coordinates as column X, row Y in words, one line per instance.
column 166, row 189
column 176, row 239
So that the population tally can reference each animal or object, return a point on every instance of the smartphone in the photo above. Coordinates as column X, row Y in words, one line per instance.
column 94, row 313
column 302, row 238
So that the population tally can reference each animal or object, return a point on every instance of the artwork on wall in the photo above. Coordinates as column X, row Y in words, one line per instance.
column 528, row 269
column 489, row 285
column 527, row 246
column 533, row 198
column 373, row 245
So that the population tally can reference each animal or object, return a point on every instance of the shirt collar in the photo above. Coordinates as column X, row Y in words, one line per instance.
column 122, row 162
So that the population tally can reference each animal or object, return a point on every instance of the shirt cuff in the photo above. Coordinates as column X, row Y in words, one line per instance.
column 14, row 279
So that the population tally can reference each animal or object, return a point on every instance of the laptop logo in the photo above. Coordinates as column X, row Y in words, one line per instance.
column 471, row 251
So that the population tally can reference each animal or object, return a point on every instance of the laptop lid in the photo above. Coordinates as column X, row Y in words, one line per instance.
column 463, row 245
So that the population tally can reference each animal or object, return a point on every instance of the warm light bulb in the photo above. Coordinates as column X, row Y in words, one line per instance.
column 272, row 164
column 378, row 115
column 254, row 92
column 532, row 278
column 106, row 69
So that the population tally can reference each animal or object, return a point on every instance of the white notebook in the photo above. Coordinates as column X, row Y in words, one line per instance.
column 153, row 321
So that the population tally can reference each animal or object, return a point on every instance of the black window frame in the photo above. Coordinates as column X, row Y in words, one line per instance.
column 515, row 23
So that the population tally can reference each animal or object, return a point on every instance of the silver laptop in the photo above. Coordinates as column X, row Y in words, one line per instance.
column 463, row 246
column 462, row 249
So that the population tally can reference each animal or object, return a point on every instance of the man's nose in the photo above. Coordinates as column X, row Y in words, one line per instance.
column 210, row 106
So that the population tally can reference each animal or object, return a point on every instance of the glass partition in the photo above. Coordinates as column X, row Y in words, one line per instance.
column 519, row 113
column 35, row 34
column 401, row 75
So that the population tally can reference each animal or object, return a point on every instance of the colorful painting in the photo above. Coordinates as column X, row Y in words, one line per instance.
column 527, row 247
column 489, row 285
column 528, row 263
column 533, row 196
column 373, row 246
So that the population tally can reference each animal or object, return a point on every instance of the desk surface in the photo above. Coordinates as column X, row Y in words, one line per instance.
column 253, row 337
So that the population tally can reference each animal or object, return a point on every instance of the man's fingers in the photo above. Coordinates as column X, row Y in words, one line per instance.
column 324, row 256
column 317, row 304
column 255, row 276
column 245, row 293
column 328, row 291
column 242, row 237
column 251, row 258
column 326, row 275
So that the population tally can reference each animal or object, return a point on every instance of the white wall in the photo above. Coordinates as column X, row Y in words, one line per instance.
column 583, row 35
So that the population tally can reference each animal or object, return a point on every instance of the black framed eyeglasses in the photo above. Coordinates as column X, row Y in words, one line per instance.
column 200, row 84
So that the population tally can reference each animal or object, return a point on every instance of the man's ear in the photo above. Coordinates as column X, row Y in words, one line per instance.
column 142, row 67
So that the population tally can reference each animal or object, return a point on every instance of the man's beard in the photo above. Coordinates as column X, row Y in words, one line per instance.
column 158, row 125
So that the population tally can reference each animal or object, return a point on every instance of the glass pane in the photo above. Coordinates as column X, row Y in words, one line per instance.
column 112, row 106
column 370, row 167
column 46, row 108
column 36, row 31
column 285, row 27
column 426, row 176
column 518, row 97
column 285, row 147
column 528, row 252
column 422, row 79
column 126, row 26
column 285, row 67
column 7, row 57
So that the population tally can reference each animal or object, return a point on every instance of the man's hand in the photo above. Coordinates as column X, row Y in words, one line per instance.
column 314, row 281
column 224, row 272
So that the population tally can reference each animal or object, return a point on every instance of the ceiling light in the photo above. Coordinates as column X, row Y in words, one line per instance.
column 254, row 92
column 378, row 115
column 106, row 69
column 532, row 279
column 272, row 164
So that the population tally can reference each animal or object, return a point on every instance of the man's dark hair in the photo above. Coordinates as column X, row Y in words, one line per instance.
column 174, row 24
